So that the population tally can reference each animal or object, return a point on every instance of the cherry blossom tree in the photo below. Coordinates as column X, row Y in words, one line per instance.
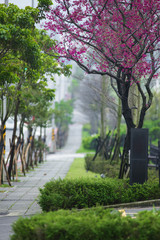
column 118, row 38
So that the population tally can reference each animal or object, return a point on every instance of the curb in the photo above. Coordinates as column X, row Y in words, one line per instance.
column 148, row 203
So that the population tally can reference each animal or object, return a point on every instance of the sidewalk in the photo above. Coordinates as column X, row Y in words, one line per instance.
column 20, row 200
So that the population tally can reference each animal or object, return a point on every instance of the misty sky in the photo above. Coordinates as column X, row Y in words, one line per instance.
column 21, row 3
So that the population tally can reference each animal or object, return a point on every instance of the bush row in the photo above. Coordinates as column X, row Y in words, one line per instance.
column 111, row 170
column 88, row 224
column 90, row 142
column 88, row 192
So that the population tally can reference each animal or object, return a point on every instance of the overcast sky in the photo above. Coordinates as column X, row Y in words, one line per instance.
column 21, row 3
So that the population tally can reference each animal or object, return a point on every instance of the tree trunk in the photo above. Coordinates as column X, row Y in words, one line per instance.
column 28, row 161
column 40, row 151
column 21, row 134
column 125, row 155
column 2, row 136
column 1, row 151
column 13, row 138
column 115, row 155
column 103, row 114
column 94, row 123
column 134, row 103
column 127, row 114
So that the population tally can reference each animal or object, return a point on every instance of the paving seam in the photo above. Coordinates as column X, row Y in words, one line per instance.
column 26, row 181
column 30, row 206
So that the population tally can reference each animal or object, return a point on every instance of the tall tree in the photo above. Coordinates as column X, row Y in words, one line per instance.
column 17, row 48
column 21, row 56
column 115, row 38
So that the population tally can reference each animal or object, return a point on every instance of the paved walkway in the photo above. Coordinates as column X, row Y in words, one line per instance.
column 20, row 200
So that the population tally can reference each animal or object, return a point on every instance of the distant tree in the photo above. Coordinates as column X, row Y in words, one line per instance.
column 63, row 113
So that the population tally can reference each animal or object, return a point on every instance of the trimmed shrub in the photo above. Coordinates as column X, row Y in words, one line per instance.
column 96, row 223
column 111, row 170
column 101, row 166
column 89, row 192
column 90, row 142
column 87, row 127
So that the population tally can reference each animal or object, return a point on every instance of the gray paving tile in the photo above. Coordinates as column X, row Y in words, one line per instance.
column 21, row 206
column 20, row 200
column 34, row 209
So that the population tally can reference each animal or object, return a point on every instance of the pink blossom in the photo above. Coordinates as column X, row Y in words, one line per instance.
column 110, row 32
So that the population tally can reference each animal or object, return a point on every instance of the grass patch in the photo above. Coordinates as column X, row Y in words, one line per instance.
column 16, row 180
column 21, row 175
column 77, row 170
column 5, row 186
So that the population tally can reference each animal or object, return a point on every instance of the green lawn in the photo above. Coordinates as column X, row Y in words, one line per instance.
column 77, row 170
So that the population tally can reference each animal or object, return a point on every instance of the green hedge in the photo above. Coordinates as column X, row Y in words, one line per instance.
column 88, row 192
column 87, row 128
column 88, row 224
column 154, row 133
column 89, row 142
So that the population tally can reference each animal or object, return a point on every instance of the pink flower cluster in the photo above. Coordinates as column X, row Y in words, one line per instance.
column 110, row 34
